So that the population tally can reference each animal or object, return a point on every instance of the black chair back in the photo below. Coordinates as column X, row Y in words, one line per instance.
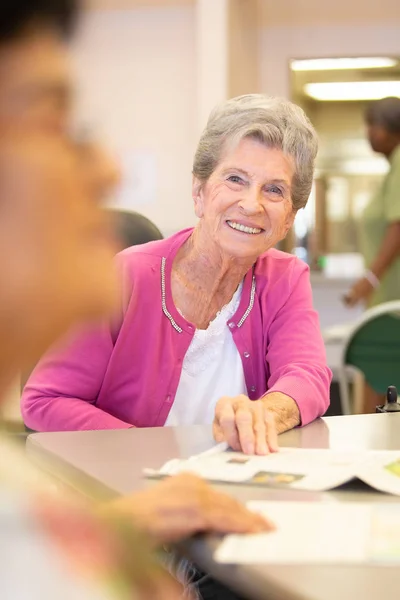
column 133, row 228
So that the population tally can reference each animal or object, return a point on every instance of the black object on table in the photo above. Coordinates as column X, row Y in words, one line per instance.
column 391, row 404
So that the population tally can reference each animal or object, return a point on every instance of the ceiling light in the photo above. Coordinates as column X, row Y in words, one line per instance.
column 352, row 90
column 333, row 64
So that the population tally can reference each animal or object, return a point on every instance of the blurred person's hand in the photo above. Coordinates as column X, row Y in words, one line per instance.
column 360, row 292
column 183, row 505
column 56, row 253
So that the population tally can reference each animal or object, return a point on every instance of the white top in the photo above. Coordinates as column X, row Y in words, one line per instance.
column 212, row 368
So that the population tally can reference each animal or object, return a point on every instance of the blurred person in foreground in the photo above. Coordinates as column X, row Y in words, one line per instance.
column 215, row 326
column 56, row 269
column 380, row 225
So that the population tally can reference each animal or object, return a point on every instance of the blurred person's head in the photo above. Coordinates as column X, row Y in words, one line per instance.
column 35, row 81
column 55, row 250
column 36, row 85
column 383, row 125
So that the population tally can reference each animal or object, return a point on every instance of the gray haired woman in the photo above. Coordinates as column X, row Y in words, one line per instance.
column 216, row 326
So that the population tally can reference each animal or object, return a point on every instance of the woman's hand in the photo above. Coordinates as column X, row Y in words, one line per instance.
column 252, row 426
column 246, row 425
column 183, row 505
column 360, row 292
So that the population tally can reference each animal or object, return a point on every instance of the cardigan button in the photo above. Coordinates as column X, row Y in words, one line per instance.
column 231, row 325
column 253, row 388
column 246, row 354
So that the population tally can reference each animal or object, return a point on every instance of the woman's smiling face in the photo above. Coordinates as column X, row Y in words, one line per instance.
column 246, row 206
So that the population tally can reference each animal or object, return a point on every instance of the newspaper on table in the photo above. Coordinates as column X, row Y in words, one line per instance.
column 293, row 468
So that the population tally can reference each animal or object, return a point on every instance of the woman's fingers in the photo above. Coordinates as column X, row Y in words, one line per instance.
column 225, row 423
column 272, row 432
column 245, row 425
column 261, row 429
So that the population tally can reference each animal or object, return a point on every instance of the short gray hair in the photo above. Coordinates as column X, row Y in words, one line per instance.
column 275, row 122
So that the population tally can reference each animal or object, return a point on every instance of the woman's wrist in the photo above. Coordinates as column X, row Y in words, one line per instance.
column 285, row 410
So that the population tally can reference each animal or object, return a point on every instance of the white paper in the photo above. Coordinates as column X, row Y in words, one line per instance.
column 296, row 468
column 293, row 468
column 381, row 470
column 319, row 533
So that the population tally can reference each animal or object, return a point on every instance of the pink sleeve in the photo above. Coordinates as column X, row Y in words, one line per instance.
column 296, row 352
column 61, row 391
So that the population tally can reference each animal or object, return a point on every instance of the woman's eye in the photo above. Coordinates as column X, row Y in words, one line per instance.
column 275, row 190
column 235, row 179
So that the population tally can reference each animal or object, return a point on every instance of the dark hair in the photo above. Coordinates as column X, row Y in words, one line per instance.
column 16, row 16
column 386, row 113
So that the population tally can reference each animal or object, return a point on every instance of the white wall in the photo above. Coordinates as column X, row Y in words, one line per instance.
column 279, row 44
column 137, row 81
column 138, row 76
column 307, row 12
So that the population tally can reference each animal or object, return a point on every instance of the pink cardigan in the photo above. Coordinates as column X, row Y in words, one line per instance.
column 127, row 374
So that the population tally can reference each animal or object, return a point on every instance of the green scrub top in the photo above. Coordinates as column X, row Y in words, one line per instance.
column 383, row 209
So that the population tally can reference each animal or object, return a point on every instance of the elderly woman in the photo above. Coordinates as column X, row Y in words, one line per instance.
column 215, row 326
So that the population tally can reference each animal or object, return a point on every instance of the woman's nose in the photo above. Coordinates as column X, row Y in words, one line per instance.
column 251, row 201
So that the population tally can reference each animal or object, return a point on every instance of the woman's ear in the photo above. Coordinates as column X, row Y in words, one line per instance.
column 197, row 194
column 290, row 220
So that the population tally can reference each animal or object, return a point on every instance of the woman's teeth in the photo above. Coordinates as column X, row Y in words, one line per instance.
column 243, row 228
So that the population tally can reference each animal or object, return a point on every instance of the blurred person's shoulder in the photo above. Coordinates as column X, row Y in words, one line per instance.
column 33, row 570
column 38, row 564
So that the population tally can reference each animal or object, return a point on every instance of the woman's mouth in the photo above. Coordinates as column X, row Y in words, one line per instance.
column 244, row 228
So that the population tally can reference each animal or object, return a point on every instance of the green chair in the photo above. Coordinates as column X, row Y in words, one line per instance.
column 372, row 347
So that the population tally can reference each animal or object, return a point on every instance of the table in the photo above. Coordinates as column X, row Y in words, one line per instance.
column 113, row 460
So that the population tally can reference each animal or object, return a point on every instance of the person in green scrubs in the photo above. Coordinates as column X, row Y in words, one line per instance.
column 380, row 224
